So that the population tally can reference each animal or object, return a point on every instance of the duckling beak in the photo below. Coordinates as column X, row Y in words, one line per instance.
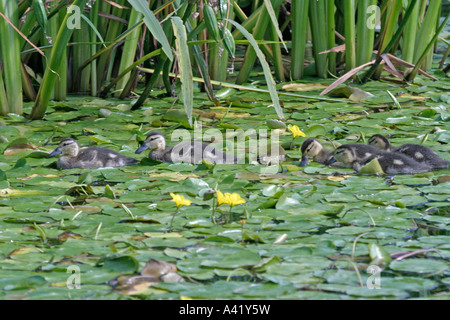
column 332, row 160
column 55, row 152
column 304, row 161
column 141, row 148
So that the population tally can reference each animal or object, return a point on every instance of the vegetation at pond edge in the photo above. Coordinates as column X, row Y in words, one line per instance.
column 246, row 230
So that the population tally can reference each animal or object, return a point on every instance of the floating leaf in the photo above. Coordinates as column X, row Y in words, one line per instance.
column 373, row 167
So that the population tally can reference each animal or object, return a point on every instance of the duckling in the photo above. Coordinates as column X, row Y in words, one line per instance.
column 91, row 157
column 417, row 152
column 311, row 148
column 193, row 152
column 391, row 163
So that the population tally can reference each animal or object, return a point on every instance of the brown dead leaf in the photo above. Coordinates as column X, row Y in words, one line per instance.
column 302, row 86
column 24, row 250
column 85, row 209
column 37, row 175
column 340, row 48
column 68, row 235
column 21, row 147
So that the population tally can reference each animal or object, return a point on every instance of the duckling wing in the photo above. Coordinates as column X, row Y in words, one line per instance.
column 195, row 152
column 396, row 163
column 424, row 155
column 94, row 157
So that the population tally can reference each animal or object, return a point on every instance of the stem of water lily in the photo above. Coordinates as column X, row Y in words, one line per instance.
column 213, row 213
column 229, row 214
column 292, row 143
column 171, row 220
column 243, row 224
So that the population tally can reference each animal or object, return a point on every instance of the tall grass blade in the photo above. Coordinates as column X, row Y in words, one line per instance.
column 299, row 32
column 365, row 31
column 331, row 35
column 93, row 22
column 430, row 45
column 4, row 109
column 80, row 53
column 427, row 30
column 129, row 51
column 153, row 25
column 387, row 30
column 409, row 36
column 390, row 45
column 277, row 59
column 349, row 34
column 185, row 66
column 50, row 74
column 10, row 53
column 271, row 86
column 273, row 16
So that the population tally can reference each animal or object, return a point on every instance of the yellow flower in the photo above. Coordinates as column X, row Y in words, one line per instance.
column 221, row 198
column 180, row 200
column 296, row 132
column 233, row 199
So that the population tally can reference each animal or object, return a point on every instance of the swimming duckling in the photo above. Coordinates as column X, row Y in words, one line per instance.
column 391, row 163
column 417, row 152
column 91, row 157
column 187, row 151
column 311, row 148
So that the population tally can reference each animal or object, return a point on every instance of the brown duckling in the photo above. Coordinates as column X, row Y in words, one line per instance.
column 192, row 152
column 311, row 148
column 87, row 158
column 391, row 163
column 417, row 152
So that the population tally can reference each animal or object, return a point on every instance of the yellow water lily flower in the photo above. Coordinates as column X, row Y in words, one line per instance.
column 233, row 199
column 221, row 198
column 180, row 200
column 296, row 132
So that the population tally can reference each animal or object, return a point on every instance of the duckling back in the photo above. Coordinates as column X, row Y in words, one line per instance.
column 196, row 152
column 424, row 155
column 416, row 152
column 94, row 157
column 397, row 163
column 362, row 153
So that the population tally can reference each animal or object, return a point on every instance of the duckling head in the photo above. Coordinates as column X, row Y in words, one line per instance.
column 311, row 148
column 153, row 141
column 68, row 147
column 345, row 155
column 379, row 141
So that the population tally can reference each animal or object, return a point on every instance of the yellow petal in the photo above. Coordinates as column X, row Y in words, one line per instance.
column 180, row 200
column 236, row 199
column 296, row 132
column 221, row 199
